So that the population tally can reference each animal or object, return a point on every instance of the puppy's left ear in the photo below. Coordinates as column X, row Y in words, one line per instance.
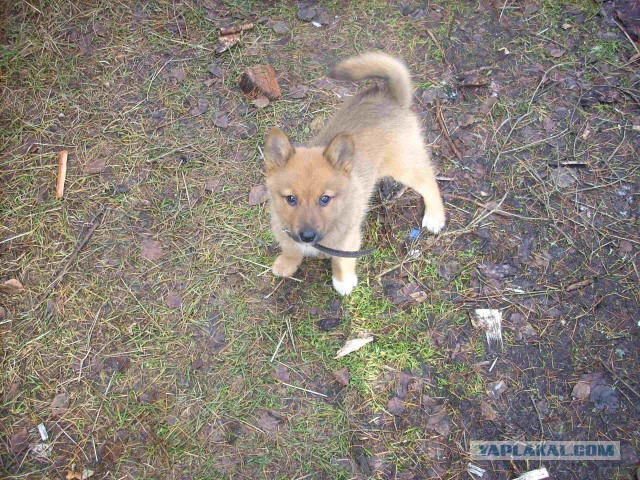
column 340, row 152
column 278, row 149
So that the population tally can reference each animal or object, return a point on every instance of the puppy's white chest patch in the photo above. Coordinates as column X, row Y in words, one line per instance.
column 308, row 250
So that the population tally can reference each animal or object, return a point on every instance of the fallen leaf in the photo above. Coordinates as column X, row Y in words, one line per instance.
column 466, row 119
column 151, row 249
column 411, row 292
column 60, row 404
column 117, row 363
column 173, row 300
column 307, row 14
column 439, row 422
column 280, row 26
column 261, row 102
column 605, row 397
column 214, row 185
column 19, row 441
column 488, row 104
column 94, row 167
column 258, row 195
column 493, row 270
column 353, row 345
column 201, row 108
column 473, row 79
column 298, row 91
column 215, row 70
column 342, row 376
column 268, row 422
column 281, row 373
column 626, row 246
column 178, row 74
column 221, row 120
column 395, row 406
column 555, row 51
column 629, row 14
column 600, row 94
column 11, row 287
column 581, row 390
column 549, row 124
column 563, row 177
column 496, row 389
column 525, row 332
column 487, row 411
column 330, row 323
column 226, row 42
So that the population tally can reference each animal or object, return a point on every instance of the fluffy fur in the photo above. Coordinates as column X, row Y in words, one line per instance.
column 374, row 135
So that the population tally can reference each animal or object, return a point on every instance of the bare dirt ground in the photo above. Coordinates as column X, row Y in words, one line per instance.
column 163, row 348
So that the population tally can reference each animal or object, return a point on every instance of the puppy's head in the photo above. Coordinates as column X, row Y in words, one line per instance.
column 308, row 186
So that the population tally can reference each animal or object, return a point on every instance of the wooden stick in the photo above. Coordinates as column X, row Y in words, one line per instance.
column 443, row 127
column 95, row 223
column 62, row 173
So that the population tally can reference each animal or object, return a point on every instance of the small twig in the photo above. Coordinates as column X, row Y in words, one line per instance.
column 617, row 377
column 62, row 173
column 501, row 213
column 443, row 127
column 278, row 346
column 579, row 285
column 305, row 390
column 539, row 416
column 88, row 343
column 626, row 34
column 95, row 223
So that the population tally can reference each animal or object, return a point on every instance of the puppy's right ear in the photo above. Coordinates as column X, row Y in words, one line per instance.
column 278, row 149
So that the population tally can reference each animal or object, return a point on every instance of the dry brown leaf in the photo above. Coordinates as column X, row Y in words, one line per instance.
column 11, row 287
column 151, row 249
column 261, row 102
column 581, row 390
column 60, row 404
column 258, row 195
column 487, row 411
column 342, row 376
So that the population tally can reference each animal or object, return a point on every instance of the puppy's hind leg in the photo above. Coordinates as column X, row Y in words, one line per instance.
column 415, row 170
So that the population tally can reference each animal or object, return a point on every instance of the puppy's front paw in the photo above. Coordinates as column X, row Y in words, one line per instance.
column 344, row 287
column 284, row 266
column 433, row 223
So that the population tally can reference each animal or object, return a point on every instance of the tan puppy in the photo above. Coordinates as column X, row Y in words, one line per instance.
column 320, row 194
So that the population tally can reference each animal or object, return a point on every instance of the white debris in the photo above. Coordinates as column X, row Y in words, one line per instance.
column 42, row 450
column 354, row 344
column 475, row 470
column 489, row 320
column 43, row 432
column 538, row 474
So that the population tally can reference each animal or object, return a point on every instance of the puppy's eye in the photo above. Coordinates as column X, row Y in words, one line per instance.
column 324, row 200
column 291, row 200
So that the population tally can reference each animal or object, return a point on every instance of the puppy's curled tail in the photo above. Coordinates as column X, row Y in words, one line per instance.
column 378, row 65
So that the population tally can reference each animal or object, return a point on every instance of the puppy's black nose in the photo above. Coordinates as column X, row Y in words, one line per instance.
column 308, row 235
